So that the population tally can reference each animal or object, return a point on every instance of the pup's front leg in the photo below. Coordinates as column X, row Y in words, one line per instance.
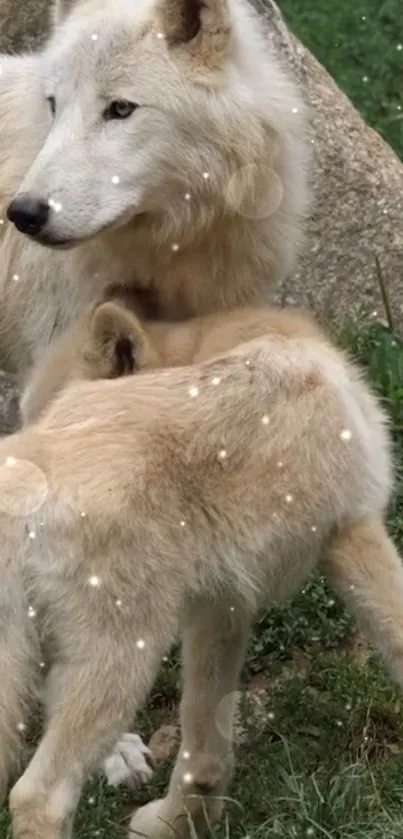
column 19, row 657
column 90, row 704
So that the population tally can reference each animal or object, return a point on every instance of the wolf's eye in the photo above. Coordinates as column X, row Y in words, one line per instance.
column 52, row 104
column 119, row 109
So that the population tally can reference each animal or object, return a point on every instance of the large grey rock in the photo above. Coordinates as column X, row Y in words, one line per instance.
column 357, row 206
column 23, row 24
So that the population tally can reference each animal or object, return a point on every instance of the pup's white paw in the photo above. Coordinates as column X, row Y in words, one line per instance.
column 130, row 763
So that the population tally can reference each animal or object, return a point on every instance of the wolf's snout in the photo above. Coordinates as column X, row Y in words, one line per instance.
column 29, row 214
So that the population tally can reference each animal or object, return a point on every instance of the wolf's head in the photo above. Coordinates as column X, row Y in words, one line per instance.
column 154, row 106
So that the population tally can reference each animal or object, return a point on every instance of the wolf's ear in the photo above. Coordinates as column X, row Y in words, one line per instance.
column 208, row 21
column 116, row 340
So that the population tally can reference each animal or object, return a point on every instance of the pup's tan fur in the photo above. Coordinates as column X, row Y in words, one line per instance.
column 180, row 501
column 112, row 338
column 213, row 168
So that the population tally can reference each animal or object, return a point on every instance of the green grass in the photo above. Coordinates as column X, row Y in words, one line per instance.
column 358, row 42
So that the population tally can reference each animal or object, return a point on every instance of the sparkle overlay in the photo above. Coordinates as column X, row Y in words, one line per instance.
column 55, row 205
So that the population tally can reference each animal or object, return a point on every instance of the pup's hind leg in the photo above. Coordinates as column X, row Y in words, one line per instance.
column 91, row 699
column 214, row 642
column 366, row 571
column 19, row 673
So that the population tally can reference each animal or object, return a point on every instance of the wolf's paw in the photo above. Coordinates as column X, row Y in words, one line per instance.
column 130, row 763
column 148, row 823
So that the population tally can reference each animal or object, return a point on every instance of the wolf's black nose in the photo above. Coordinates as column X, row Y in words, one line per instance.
column 29, row 214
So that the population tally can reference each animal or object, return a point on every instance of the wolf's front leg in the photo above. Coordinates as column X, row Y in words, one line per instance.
column 91, row 700
column 214, row 643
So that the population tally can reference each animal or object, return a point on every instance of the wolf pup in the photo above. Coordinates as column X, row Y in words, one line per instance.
column 177, row 503
column 112, row 338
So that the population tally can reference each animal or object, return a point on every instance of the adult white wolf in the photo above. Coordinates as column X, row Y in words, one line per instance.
column 163, row 145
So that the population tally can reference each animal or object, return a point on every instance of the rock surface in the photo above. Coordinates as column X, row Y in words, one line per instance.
column 358, row 187
column 357, row 196
column 23, row 24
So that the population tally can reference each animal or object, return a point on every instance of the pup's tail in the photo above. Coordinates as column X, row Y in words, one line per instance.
column 366, row 571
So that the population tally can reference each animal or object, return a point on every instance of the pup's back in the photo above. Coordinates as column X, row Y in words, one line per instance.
column 219, row 333
column 112, row 339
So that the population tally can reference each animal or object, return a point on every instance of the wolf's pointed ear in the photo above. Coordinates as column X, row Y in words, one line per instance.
column 116, row 339
column 208, row 21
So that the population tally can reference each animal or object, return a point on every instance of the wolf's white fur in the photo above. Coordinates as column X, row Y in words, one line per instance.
column 201, row 192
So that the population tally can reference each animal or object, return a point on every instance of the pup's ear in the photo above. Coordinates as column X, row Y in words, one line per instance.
column 116, row 342
column 204, row 23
